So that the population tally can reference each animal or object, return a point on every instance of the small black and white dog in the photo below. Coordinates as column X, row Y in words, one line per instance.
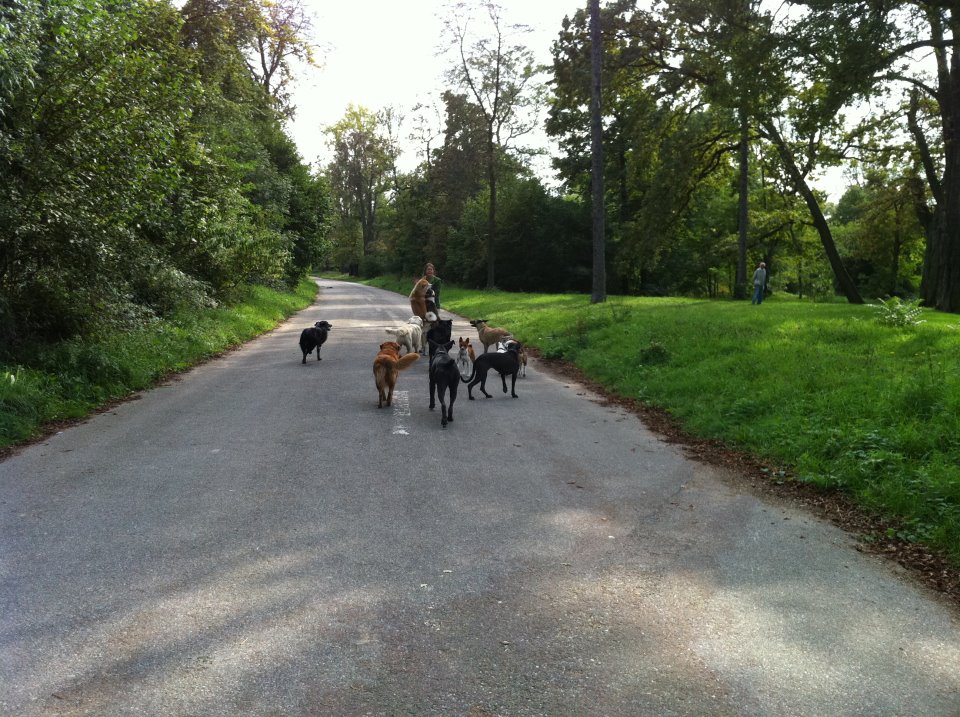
column 504, row 363
column 444, row 375
column 313, row 338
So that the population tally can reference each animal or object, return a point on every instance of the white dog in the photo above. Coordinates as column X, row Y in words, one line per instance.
column 410, row 334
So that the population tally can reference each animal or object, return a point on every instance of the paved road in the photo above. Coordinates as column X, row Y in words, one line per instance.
column 257, row 538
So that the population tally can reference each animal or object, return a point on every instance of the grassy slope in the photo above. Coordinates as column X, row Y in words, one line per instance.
column 824, row 390
column 73, row 379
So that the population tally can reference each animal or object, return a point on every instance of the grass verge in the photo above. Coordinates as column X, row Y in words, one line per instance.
column 825, row 392
column 73, row 379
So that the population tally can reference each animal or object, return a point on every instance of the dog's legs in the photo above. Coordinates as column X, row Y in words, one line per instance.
column 318, row 354
column 513, row 385
column 503, row 377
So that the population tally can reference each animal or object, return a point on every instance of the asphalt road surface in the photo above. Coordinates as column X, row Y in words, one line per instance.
column 256, row 538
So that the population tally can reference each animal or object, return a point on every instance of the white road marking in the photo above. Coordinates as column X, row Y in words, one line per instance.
column 401, row 409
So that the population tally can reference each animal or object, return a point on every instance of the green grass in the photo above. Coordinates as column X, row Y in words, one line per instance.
column 72, row 379
column 826, row 391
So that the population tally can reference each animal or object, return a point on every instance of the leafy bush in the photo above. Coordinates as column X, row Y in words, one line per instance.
column 896, row 312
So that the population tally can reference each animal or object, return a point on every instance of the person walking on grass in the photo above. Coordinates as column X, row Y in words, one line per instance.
column 759, row 283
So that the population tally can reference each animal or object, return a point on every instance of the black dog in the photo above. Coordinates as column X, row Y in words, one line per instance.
column 439, row 334
column 503, row 363
column 313, row 338
column 444, row 374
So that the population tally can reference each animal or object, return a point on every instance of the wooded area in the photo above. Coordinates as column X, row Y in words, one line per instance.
column 145, row 165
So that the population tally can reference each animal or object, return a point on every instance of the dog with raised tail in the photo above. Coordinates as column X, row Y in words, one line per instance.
column 386, row 370
column 489, row 335
column 444, row 376
column 506, row 363
column 313, row 338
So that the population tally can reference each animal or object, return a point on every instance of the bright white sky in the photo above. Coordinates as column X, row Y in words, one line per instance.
column 383, row 52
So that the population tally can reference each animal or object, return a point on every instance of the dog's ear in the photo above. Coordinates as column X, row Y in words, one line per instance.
column 449, row 345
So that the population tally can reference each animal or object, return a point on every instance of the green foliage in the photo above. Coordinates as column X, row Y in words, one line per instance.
column 897, row 312
column 142, row 170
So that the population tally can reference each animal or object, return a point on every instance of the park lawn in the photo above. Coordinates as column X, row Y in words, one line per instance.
column 824, row 390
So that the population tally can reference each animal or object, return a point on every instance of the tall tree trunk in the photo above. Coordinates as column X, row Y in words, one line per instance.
column 599, row 292
column 740, row 289
column 844, row 280
column 940, row 284
column 491, row 212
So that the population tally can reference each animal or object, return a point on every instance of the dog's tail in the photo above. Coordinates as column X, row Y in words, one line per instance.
column 395, row 332
column 407, row 360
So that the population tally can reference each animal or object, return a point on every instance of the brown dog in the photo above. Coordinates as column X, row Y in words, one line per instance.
column 386, row 370
column 489, row 335
column 418, row 299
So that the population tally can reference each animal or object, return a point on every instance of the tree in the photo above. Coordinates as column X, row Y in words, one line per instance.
column 862, row 47
column 500, row 79
column 599, row 287
column 744, row 60
column 281, row 33
column 363, row 163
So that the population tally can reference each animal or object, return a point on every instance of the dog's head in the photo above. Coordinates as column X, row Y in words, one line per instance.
column 511, row 345
column 441, row 346
column 390, row 347
column 464, row 342
column 441, row 330
column 416, row 321
column 477, row 323
column 323, row 325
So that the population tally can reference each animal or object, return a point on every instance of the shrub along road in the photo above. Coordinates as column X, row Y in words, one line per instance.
column 256, row 537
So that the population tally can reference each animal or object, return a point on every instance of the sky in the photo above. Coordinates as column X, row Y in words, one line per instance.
column 379, row 53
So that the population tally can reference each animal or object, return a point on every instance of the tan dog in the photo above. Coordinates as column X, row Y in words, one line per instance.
column 418, row 298
column 386, row 370
column 490, row 336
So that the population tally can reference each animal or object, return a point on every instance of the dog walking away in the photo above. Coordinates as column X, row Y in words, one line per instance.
column 506, row 363
column 444, row 375
column 386, row 370
column 466, row 356
column 489, row 336
column 409, row 335
column 521, row 354
column 313, row 338
column 439, row 333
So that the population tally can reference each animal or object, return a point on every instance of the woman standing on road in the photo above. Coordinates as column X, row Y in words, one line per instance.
column 435, row 281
